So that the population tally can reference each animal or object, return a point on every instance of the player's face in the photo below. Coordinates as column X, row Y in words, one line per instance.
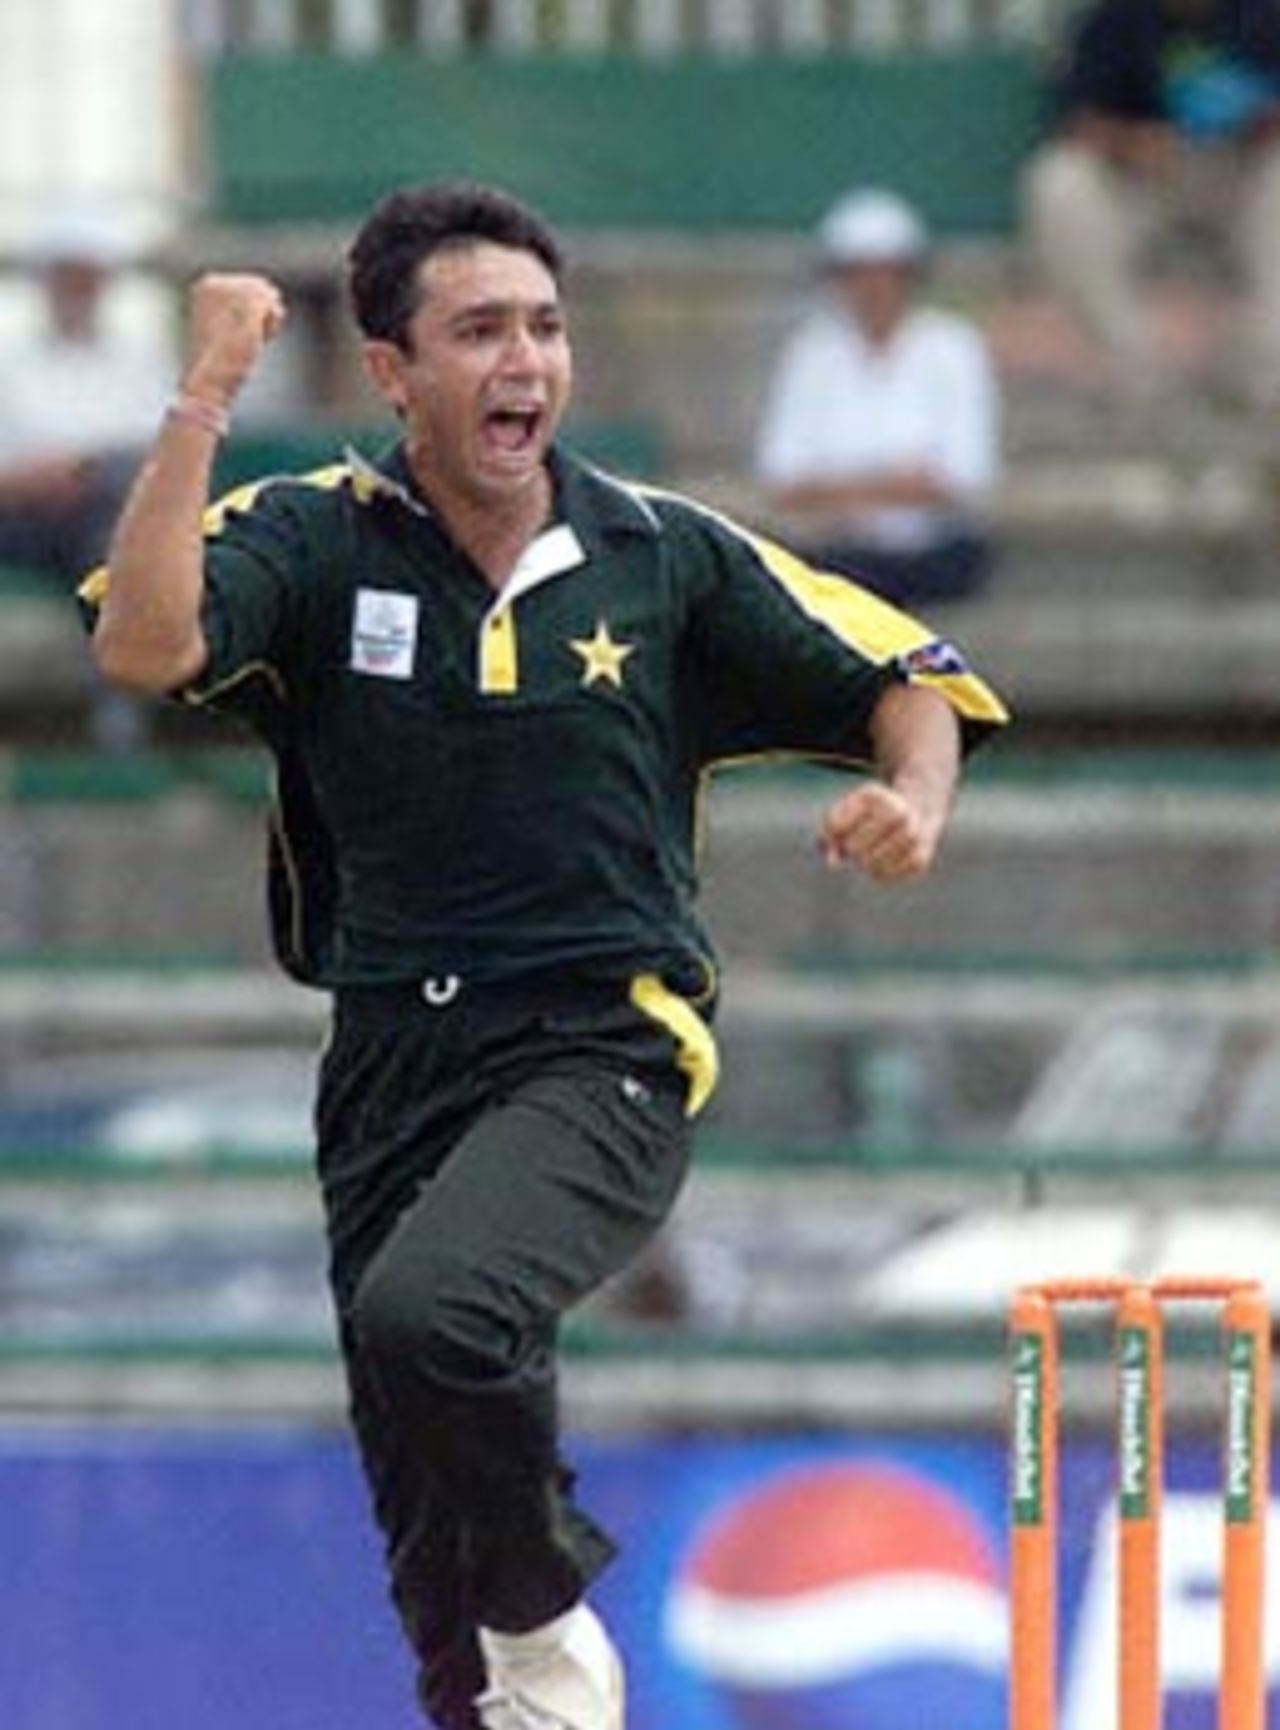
column 484, row 377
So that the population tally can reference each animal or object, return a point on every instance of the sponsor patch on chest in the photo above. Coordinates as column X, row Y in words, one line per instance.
column 384, row 634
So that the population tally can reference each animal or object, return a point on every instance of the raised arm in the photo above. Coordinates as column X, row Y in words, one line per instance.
column 892, row 827
column 148, row 635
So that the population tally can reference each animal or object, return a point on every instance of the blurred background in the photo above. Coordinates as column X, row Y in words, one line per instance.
column 1059, row 1055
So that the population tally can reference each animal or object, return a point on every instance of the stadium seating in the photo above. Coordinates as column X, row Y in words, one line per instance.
column 891, row 1057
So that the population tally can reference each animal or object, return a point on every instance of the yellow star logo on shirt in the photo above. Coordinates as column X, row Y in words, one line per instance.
column 602, row 658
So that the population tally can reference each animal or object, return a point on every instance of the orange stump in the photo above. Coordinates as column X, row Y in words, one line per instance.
column 1033, row 1472
column 1035, row 1372
column 1246, row 1462
column 1140, row 1459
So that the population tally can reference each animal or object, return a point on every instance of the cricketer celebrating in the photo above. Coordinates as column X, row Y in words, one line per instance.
column 493, row 679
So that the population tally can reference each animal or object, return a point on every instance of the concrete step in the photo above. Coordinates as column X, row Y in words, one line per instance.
column 929, row 1078
column 1181, row 663
column 1097, row 873
column 1101, row 873
column 43, row 656
column 1138, row 528
column 179, row 874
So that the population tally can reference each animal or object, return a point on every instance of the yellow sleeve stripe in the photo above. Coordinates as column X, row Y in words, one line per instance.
column 873, row 627
column 198, row 695
column 242, row 499
column 877, row 630
column 93, row 589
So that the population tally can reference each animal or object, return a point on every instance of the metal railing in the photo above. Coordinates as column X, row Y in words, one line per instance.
column 647, row 27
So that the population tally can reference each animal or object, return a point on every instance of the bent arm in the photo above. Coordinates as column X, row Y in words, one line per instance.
column 892, row 827
column 148, row 636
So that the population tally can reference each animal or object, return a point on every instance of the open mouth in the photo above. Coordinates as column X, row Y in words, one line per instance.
column 513, row 431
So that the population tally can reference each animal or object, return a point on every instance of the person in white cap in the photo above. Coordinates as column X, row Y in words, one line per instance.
column 77, row 400
column 79, row 403
column 879, row 445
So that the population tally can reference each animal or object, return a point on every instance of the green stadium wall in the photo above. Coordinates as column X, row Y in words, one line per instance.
column 689, row 144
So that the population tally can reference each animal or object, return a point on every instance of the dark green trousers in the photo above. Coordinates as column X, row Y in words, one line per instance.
column 486, row 1163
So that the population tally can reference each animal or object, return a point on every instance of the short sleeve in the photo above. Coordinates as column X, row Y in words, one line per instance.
column 793, row 660
column 256, row 557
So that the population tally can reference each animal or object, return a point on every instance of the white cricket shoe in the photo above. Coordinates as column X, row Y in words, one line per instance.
column 573, row 1682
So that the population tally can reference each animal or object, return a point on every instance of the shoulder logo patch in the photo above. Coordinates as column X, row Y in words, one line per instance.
column 937, row 657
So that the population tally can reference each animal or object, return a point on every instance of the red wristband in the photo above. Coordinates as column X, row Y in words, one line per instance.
column 199, row 410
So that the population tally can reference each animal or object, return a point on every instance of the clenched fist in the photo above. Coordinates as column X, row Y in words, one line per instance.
column 879, row 829
column 232, row 319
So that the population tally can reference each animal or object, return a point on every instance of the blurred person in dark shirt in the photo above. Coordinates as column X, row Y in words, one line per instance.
column 1168, row 119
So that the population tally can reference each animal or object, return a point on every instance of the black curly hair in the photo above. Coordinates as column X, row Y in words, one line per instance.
column 411, row 224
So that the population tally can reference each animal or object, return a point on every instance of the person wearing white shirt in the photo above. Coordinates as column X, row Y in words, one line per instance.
column 879, row 444
column 79, row 403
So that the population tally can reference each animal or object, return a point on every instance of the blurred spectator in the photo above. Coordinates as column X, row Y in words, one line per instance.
column 1168, row 120
column 880, row 436
column 79, row 403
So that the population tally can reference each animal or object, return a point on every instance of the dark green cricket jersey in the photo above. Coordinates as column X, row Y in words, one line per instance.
column 492, row 785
